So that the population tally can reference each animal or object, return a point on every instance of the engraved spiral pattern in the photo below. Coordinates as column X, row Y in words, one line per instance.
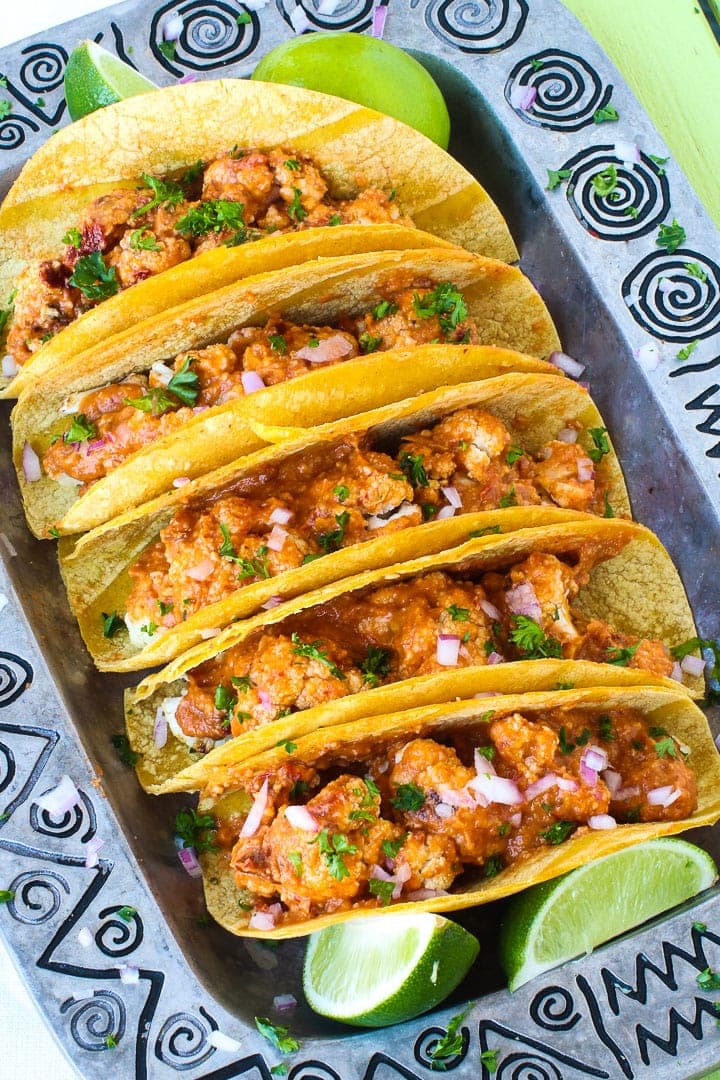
column 182, row 1041
column 39, row 895
column 527, row 1067
column 313, row 1070
column 15, row 673
column 210, row 38
column 637, row 204
column 426, row 1043
column 7, row 767
column 119, row 937
column 477, row 26
column 348, row 15
column 672, row 302
column 44, row 68
column 14, row 131
column 553, row 1008
column 569, row 90
column 96, row 1020
column 78, row 821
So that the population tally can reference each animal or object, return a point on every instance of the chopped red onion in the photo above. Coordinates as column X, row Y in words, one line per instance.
column 693, row 665
column 181, row 481
column 85, row 938
column 280, row 516
column 209, row 632
column 94, row 445
column 9, row 367
column 378, row 21
column 162, row 372
column 486, row 693
column 496, row 789
column 522, row 600
column 585, row 469
column 677, row 672
column 251, row 381
column 523, row 97
column 275, row 910
column 482, row 765
column 276, row 539
column 453, row 496
column 666, row 285
column 495, row 658
column 262, row 920
column 650, row 355
column 284, row 1001
column 663, row 796
column 448, row 648
column 490, row 610
column 201, row 570
column 454, row 797
column 190, row 862
column 516, row 821
column 271, row 603
column 59, row 799
column 301, row 818
column 187, row 79
column 445, row 512
column 332, row 348
column 404, row 510
column 568, row 364
column 224, row 1042
column 628, row 152
column 30, row 464
column 66, row 481
column 612, row 780
column 602, row 821
column 426, row 894
column 538, row 787
column 626, row 793
column 444, row 810
column 568, row 435
column 595, row 758
column 91, row 851
column 160, row 728
column 264, row 699
column 129, row 974
column 254, row 818
column 172, row 27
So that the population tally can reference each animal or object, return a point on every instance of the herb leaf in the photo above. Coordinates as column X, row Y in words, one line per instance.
column 314, row 651
column 670, row 237
column 556, row 177
column 165, row 192
column 451, row 1043
column 602, row 116
column 193, row 829
column 93, row 278
column 81, row 429
column 408, row 797
column 600, row 446
column 111, row 623
column 276, row 1035
column 124, row 751
column 446, row 302
column 532, row 641
column 185, row 384
column 559, row 832
column 375, row 666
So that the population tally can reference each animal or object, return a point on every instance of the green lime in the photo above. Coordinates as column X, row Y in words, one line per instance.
column 564, row 918
column 94, row 77
column 373, row 974
column 365, row 70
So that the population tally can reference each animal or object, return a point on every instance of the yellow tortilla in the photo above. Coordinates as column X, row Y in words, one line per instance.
column 355, row 742
column 637, row 591
column 166, row 131
column 95, row 570
column 508, row 311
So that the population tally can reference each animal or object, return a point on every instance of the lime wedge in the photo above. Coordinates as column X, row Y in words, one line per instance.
column 94, row 77
column 564, row 918
column 372, row 972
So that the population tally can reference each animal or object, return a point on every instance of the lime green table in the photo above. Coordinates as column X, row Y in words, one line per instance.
column 667, row 52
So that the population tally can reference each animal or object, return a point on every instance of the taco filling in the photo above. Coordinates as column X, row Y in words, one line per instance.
column 129, row 235
column 109, row 424
column 406, row 820
column 326, row 498
column 426, row 624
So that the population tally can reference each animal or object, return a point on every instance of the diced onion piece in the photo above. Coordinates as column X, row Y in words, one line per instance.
column 209, row 632
column 201, row 570
column 453, row 496
column 301, row 818
column 666, row 285
column 426, row 894
column 456, row 796
column 262, row 920
column 332, row 348
column 280, row 516
column 378, row 20
column 160, row 728
column 190, row 862
column 9, row 367
column 663, row 796
column 66, row 481
column 628, row 152
column 568, row 435
column 445, row 512
column 251, row 381
column 264, row 699
column 448, row 649
column 224, row 1042
column 677, row 672
column 650, row 355
column 482, row 765
column 523, row 97
column 568, row 364
column 129, row 974
column 602, row 821
column 172, row 27
column 495, row 658
column 30, row 464
column 271, row 603
column 612, row 780
column 254, row 818
column 626, row 793
column 162, row 372
column 443, row 810
column 404, row 510
column 284, row 1001
column 181, row 481
column 522, row 600
column 693, row 665
column 276, row 539
column 85, row 937
column 91, row 851
column 516, row 821
column 496, row 789
column 490, row 610
column 59, row 799
column 585, row 469
column 595, row 758
column 538, row 787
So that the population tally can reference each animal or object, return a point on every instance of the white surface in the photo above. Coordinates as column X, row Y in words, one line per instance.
column 28, row 1049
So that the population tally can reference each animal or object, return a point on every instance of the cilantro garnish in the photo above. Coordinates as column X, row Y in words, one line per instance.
column 341, row 492
column 149, row 628
column 408, row 797
column 333, row 848
column 532, row 641
column 559, row 832
column 450, row 1044
column 368, row 343
column 127, row 913
column 659, row 161
column 608, row 512
column 600, row 446
column 486, row 751
column 607, row 113
column 565, row 746
column 278, row 343
column 299, row 788
column 167, row 48
column 695, row 270
column 6, row 895
column 670, row 237
column 687, row 350
column 444, row 301
column 622, row 657
column 243, row 682
column 666, row 748
column 383, row 309
column 93, row 278
column 227, row 548
column 335, row 219
column 276, row 1035
column 605, row 182
column 185, row 384
column 314, row 651
column 193, row 173
column 195, row 830
column 556, row 177
column 509, row 499
column 111, row 623
column 288, row 745
column 514, row 454
column 110, row 1042
column 458, row 614
column 390, row 848
column 81, row 429
column 124, row 751
column 165, row 192
column 536, row 63
column 375, row 666
column 708, row 979
column 5, row 108
column 605, row 729
column 492, row 867
column 146, row 242
column 255, row 567
column 72, row 238
column 429, row 510
column 296, row 210
column 292, row 164
column 382, row 889
column 490, row 530
column 632, row 211
column 295, row 859
column 414, row 469
column 331, row 541
column 225, row 700
column 488, row 1058
column 213, row 215
column 54, row 531
column 281, row 1068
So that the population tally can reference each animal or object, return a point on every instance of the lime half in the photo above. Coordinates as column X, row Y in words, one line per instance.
column 564, row 918
column 375, row 972
column 94, row 77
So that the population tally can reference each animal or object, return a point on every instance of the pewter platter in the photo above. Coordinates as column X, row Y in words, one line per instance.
column 634, row 1008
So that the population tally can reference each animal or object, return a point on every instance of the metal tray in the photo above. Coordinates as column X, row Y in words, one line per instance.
column 633, row 1008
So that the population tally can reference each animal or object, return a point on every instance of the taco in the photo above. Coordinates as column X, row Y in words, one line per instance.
column 603, row 591
column 294, row 346
column 350, row 496
column 451, row 805
column 146, row 185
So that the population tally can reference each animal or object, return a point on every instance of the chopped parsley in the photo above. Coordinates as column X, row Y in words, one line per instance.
column 708, row 979
column 605, row 728
column 335, row 219
column 632, row 211
column 314, row 651
column 605, row 182
column 288, row 745
column 368, row 343
column 193, row 173
column 565, row 746
column 225, row 700
column 276, row 1035
column 382, row 889
column 227, row 548
column 127, row 913
column 659, row 161
column 666, row 748
column 243, row 682
column 292, row 164
column 341, row 492
column 148, row 628
column 383, row 309
column 296, row 210
column 300, row 787
column 375, row 666
column 451, row 1043
column 155, row 401
column 333, row 848
column 167, row 48
column 278, row 343
column 390, row 848
column 487, row 752
column 295, row 859
column 408, row 797
column 72, row 238
column 559, row 832
column 510, row 499
column 81, row 429
column 458, row 614
column 111, row 623
column 429, row 510
column 5, row 108
column 490, row 530
column 488, row 1058
column 657, row 732
column 255, row 567
column 606, row 114
column 54, row 531
column 185, row 384
column 687, row 350
column 608, row 512
column 445, row 302
column 514, row 454
column 701, row 927
column 492, row 866
column 532, row 641
column 166, row 193
column 414, row 469
column 281, row 1068
column 124, row 751
column 600, row 446
column 622, row 657
column 93, row 278
column 110, row 1042
column 331, row 541
column 695, row 270
column 165, row 609
column 556, row 177
column 195, row 830
column 213, row 215
column 670, row 237
column 6, row 895
column 146, row 242
column 536, row 63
